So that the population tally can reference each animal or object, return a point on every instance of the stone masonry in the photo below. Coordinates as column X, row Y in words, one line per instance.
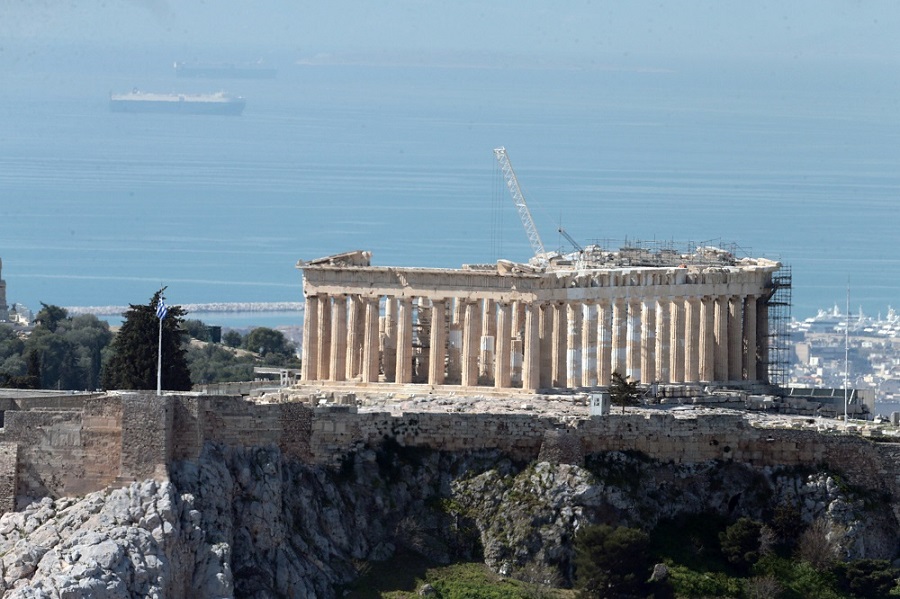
column 560, row 324
column 121, row 438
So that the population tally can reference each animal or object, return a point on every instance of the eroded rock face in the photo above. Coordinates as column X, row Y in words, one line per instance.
column 108, row 544
column 248, row 523
column 528, row 520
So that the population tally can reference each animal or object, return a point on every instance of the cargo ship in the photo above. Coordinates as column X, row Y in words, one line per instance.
column 224, row 70
column 138, row 101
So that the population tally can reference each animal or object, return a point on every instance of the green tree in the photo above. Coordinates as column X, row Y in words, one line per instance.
column 58, row 368
column 211, row 363
column 88, row 336
column 11, row 348
column 133, row 360
column 741, row 543
column 264, row 341
column 196, row 329
column 623, row 392
column 611, row 562
column 232, row 339
column 50, row 316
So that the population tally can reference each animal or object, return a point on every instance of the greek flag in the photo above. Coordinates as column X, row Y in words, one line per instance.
column 161, row 310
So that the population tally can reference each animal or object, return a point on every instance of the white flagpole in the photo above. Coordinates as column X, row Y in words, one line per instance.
column 161, row 310
column 159, row 362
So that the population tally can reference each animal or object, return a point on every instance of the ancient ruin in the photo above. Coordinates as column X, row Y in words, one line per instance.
column 557, row 322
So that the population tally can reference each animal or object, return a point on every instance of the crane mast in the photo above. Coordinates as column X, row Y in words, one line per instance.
column 512, row 183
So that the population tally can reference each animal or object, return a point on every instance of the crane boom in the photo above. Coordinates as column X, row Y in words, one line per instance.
column 512, row 183
column 572, row 241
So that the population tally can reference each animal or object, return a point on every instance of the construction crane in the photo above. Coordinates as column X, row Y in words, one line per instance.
column 574, row 243
column 512, row 183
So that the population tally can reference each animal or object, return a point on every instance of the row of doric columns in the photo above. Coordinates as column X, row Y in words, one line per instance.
column 539, row 344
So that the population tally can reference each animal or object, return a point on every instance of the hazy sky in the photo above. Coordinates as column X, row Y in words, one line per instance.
column 575, row 28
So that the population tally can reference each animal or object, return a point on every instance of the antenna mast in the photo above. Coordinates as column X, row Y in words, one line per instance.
column 847, row 356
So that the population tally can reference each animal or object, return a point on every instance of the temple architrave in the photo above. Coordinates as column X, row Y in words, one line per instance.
column 556, row 322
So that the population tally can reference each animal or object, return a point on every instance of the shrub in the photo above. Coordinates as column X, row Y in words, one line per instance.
column 818, row 545
column 611, row 562
column 690, row 583
column 740, row 543
column 867, row 577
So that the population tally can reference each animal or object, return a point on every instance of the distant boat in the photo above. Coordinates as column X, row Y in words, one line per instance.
column 224, row 70
column 138, row 101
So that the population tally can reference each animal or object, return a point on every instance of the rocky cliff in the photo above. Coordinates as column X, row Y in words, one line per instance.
column 250, row 523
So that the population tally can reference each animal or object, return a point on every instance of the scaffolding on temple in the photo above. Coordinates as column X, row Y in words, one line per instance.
column 779, row 350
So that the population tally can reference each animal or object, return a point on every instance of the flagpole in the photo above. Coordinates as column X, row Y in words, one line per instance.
column 159, row 362
column 161, row 311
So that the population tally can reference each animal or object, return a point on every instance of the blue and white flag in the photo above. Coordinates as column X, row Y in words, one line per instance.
column 161, row 310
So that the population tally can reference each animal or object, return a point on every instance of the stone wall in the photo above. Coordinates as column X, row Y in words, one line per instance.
column 9, row 456
column 101, row 437
column 50, row 451
column 127, row 437
column 147, row 422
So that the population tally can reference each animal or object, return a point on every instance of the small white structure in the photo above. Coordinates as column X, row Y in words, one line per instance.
column 600, row 403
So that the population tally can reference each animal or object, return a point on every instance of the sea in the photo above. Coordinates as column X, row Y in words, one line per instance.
column 796, row 160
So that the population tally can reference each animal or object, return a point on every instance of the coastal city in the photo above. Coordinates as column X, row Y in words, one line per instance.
column 838, row 347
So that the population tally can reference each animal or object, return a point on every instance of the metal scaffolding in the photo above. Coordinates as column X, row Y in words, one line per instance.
column 779, row 350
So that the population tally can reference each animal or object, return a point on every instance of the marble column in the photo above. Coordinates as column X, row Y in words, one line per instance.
column 574, row 317
column 604, row 343
column 677, row 341
column 619, row 337
column 589, row 346
column 531, row 364
column 633, row 354
column 370, row 343
column 502, row 376
column 471, row 335
column 692, row 319
column 422, row 344
column 735, row 338
column 324, row 360
column 750, row 338
column 389, row 353
column 488, row 340
column 560, row 328
column 438, row 342
column 707, row 339
column 762, row 340
column 355, row 336
column 338, row 368
column 454, row 349
column 721, row 360
column 311, row 335
column 404, row 364
column 648, row 340
column 518, row 342
column 663, row 339
column 545, row 330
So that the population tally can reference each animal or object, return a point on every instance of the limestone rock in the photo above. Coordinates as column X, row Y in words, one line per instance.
column 246, row 522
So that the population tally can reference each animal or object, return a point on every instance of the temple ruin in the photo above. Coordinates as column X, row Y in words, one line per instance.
column 558, row 322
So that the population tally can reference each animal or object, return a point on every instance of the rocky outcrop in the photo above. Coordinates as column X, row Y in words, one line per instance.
column 527, row 520
column 250, row 523
column 108, row 544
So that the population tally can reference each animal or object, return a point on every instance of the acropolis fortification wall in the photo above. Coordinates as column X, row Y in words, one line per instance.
column 108, row 441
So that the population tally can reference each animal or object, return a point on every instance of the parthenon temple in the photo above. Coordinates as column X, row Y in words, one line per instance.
column 558, row 323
